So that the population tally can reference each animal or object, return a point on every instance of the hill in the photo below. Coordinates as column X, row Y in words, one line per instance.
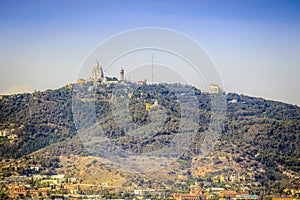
column 258, row 145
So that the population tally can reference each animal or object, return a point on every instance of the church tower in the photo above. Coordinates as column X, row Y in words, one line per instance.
column 121, row 74
column 101, row 76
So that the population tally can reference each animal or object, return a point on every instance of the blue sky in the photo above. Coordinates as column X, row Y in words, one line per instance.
column 254, row 44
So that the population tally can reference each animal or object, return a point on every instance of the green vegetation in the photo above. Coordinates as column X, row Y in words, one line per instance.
column 256, row 132
column 38, row 119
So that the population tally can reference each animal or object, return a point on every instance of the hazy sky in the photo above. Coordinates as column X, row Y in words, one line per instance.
column 254, row 44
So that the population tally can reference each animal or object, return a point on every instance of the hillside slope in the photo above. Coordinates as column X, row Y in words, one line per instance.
column 260, row 138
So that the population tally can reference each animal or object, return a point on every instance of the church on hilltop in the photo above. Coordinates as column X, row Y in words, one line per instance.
column 97, row 73
column 98, row 77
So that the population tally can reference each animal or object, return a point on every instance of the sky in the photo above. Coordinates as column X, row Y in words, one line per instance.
column 255, row 45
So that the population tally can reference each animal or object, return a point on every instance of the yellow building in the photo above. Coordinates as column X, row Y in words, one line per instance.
column 2, row 133
column 222, row 179
column 12, row 136
column 81, row 81
column 232, row 178
column 148, row 106
column 216, row 179
column 242, row 178
column 69, row 86
column 250, row 175
column 282, row 198
column 228, row 193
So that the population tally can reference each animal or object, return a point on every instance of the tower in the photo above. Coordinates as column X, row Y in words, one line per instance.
column 101, row 76
column 121, row 74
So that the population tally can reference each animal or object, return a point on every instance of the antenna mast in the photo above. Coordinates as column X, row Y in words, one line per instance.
column 152, row 69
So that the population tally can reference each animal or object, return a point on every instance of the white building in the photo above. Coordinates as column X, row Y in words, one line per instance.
column 97, row 73
column 214, row 89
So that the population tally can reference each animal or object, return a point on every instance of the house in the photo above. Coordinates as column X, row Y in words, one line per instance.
column 38, row 193
column 15, row 190
column 196, row 193
column 210, row 196
column 12, row 136
column 110, row 80
column 242, row 178
column 38, row 176
column 72, row 188
column 35, row 168
column 104, row 184
column 4, row 133
column 71, row 180
column 233, row 194
column 188, row 197
column 216, row 190
column 232, row 178
column 142, row 82
column 233, row 101
column 246, row 197
column 228, row 193
column 222, row 178
column 216, row 179
column 57, row 176
column 49, row 182
column 143, row 192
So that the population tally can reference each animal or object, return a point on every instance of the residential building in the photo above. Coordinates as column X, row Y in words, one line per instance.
column 196, row 193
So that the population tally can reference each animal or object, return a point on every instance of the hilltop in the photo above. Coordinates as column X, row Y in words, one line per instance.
column 258, row 146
